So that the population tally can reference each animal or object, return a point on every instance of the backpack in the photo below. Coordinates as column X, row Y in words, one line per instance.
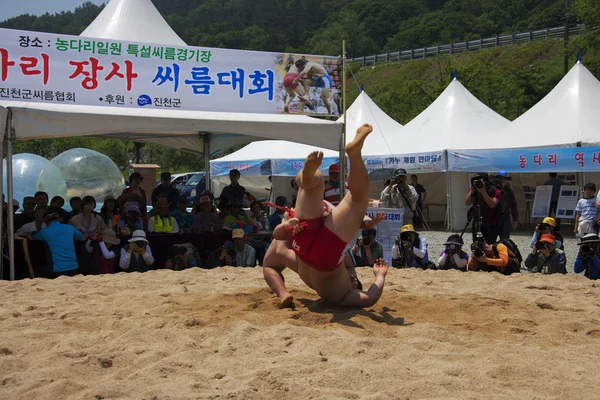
column 514, row 255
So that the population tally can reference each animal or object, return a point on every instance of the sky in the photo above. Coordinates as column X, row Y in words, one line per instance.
column 12, row 8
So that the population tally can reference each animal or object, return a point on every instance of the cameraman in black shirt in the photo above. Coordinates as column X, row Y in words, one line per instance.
column 484, row 198
column 587, row 260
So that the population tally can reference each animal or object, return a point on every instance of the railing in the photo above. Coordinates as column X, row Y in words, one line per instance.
column 478, row 44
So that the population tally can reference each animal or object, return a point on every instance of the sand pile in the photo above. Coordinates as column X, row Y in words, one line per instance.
column 216, row 334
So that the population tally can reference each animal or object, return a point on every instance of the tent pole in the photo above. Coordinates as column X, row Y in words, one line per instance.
column 448, row 194
column 207, row 178
column 2, row 140
column 9, row 208
column 343, row 141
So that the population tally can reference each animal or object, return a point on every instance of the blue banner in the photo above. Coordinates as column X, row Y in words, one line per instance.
column 421, row 162
column 564, row 159
column 246, row 168
column 292, row 167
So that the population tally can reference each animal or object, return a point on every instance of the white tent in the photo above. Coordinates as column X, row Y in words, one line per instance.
column 132, row 20
column 568, row 115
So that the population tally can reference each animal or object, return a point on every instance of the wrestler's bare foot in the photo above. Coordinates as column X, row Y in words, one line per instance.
column 356, row 145
column 285, row 300
column 311, row 166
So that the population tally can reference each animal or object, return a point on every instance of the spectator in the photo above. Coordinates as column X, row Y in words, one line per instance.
column 495, row 257
column 130, row 219
column 104, row 250
column 239, row 219
column 88, row 222
column 109, row 210
column 135, row 180
column 259, row 216
column 167, row 190
column 206, row 220
column 248, row 199
column 545, row 258
column 75, row 203
column 211, row 196
column 185, row 220
column 244, row 253
column 234, row 190
column 556, row 184
column 453, row 257
column 422, row 193
column 180, row 258
column 367, row 249
column 588, row 260
column 162, row 222
column 36, row 225
column 26, row 215
column 547, row 226
column 56, row 206
column 509, row 212
column 221, row 257
column 587, row 213
column 398, row 194
column 333, row 191
column 294, row 186
column 60, row 239
column 277, row 216
column 224, row 209
column 410, row 249
column 136, row 255
column 487, row 197
column 41, row 198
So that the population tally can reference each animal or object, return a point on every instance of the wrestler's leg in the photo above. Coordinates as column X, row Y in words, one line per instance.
column 347, row 217
column 273, row 268
column 325, row 97
column 309, row 202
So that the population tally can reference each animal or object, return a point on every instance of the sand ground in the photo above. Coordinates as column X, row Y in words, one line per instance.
column 208, row 334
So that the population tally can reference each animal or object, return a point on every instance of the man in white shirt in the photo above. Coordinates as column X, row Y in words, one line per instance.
column 245, row 254
column 399, row 194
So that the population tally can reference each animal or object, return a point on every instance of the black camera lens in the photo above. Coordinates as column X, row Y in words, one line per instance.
column 367, row 241
column 478, row 184
column 540, row 245
column 140, row 243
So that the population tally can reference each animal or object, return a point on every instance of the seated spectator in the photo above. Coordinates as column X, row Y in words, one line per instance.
column 41, row 198
column 136, row 255
column 496, row 257
column 221, row 257
column 210, row 194
column 75, row 203
column 37, row 224
column 585, row 220
column 245, row 255
column 109, row 210
column 56, row 206
column 259, row 216
column 162, row 222
column 184, row 219
column 367, row 249
column 588, row 260
column 27, row 213
column 277, row 216
column 453, row 257
column 238, row 218
column 548, row 226
column 104, row 250
column 87, row 222
column 206, row 220
column 60, row 239
column 410, row 249
column 248, row 199
column 180, row 258
column 130, row 219
column 135, row 189
column 545, row 258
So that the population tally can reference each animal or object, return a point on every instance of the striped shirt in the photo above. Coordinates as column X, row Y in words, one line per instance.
column 333, row 193
column 587, row 208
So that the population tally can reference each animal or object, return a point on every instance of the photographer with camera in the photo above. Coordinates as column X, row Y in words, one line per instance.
column 136, row 255
column 180, row 258
column 548, row 226
column 489, row 258
column 545, row 258
column 484, row 199
column 399, row 194
column 508, row 210
column 367, row 249
column 410, row 250
column 453, row 257
column 588, row 260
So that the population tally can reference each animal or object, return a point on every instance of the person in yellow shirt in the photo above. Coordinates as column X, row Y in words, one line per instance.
column 162, row 222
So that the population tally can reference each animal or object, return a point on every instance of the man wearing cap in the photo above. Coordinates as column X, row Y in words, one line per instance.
column 410, row 249
column 587, row 260
column 277, row 216
column 206, row 220
column 332, row 191
column 136, row 255
column 60, row 239
column 167, row 190
column 161, row 222
column 487, row 197
column 545, row 258
column 139, row 194
column 184, row 219
column 26, row 215
column 399, row 194
column 245, row 254
column 509, row 212
column 548, row 225
column 234, row 190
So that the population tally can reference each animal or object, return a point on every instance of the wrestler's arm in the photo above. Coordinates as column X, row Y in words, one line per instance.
column 360, row 298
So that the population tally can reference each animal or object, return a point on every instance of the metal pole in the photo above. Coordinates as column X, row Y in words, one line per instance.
column 207, row 178
column 448, row 193
column 9, row 208
column 2, row 136
column 566, row 40
column 343, row 141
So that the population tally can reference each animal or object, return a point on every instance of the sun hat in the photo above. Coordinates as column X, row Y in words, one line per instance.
column 548, row 238
column 589, row 238
column 549, row 221
column 132, row 206
column 138, row 235
column 109, row 236
column 135, row 175
column 237, row 234
column 408, row 228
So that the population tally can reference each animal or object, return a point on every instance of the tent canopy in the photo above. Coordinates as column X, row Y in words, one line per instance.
column 456, row 119
column 185, row 130
column 567, row 115
column 132, row 20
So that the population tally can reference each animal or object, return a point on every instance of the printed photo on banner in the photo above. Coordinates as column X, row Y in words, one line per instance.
column 62, row 69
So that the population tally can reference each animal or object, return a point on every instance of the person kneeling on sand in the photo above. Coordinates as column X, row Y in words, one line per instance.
column 136, row 255
column 496, row 257
column 319, row 244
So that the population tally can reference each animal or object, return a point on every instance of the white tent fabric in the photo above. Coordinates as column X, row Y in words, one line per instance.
column 456, row 119
column 273, row 149
column 132, row 20
column 173, row 128
column 567, row 115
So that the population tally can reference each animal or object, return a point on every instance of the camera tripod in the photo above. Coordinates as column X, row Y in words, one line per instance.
column 474, row 215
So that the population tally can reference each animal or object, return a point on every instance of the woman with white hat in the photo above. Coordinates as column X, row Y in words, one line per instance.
column 136, row 255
